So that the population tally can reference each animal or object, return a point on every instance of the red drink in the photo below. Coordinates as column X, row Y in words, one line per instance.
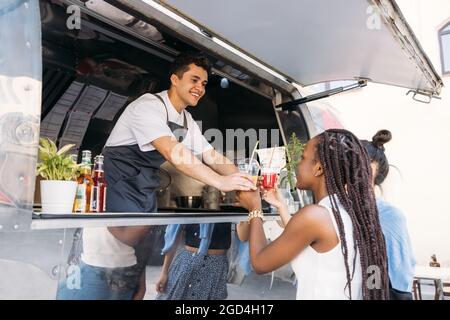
column 98, row 198
column 269, row 179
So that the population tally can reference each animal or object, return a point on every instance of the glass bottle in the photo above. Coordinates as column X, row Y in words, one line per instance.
column 84, row 188
column 98, row 199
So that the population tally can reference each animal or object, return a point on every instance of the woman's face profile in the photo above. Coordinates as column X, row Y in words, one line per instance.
column 307, row 166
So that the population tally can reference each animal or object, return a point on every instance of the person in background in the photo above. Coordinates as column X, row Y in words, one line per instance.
column 401, row 260
column 199, row 271
column 335, row 246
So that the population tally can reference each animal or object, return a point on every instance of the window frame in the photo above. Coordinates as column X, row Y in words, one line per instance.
column 441, row 34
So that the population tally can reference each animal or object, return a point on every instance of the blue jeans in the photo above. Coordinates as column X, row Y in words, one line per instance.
column 87, row 282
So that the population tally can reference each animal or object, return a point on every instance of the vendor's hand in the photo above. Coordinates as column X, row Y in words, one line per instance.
column 162, row 283
column 236, row 181
column 273, row 197
column 249, row 200
column 140, row 291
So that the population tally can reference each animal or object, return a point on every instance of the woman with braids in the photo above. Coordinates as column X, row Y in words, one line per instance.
column 401, row 261
column 335, row 246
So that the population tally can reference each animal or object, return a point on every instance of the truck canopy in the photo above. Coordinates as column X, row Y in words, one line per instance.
column 313, row 41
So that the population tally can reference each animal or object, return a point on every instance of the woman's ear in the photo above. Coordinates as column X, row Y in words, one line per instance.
column 318, row 170
column 374, row 167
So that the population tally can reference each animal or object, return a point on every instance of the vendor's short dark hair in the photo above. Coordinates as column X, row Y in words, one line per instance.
column 183, row 60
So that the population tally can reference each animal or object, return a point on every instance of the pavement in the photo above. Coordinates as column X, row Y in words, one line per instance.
column 253, row 287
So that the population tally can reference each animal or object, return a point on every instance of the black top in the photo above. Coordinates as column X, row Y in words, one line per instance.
column 220, row 239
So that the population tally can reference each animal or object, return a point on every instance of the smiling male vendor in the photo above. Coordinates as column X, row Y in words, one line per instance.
column 152, row 129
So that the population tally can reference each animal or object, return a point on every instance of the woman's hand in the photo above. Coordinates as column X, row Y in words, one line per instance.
column 162, row 283
column 274, row 197
column 249, row 200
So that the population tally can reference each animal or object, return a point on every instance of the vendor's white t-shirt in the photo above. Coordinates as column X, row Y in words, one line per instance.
column 143, row 121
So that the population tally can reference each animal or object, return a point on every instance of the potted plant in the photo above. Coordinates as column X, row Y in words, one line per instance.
column 59, row 171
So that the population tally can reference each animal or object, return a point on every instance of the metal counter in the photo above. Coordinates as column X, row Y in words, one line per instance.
column 41, row 222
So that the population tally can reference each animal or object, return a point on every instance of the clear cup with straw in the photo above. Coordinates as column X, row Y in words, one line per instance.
column 250, row 166
column 269, row 173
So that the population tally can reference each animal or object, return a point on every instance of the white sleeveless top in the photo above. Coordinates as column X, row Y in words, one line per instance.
column 322, row 276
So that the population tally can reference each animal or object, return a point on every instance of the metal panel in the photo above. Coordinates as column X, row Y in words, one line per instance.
column 20, row 100
column 30, row 263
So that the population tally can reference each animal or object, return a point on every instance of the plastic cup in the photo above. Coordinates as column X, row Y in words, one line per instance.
column 269, row 177
column 252, row 168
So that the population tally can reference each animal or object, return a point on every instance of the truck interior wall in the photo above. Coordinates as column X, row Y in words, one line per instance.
column 93, row 58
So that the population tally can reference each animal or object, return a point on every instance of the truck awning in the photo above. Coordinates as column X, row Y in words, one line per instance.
column 313, row 41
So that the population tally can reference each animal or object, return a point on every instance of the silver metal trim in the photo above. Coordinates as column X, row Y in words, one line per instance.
column 204, row 42
column 409, row 43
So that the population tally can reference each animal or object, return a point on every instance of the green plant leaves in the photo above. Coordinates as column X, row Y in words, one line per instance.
column 54, row 164
column 294, row 150
column 64, row 149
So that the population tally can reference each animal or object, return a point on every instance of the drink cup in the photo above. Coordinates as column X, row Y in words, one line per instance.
column 269, row 177
column 252, row 168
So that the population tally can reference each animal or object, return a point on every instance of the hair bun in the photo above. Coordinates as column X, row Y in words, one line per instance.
column 380, row 138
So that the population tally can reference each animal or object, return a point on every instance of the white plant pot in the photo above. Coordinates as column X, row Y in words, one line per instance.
column 57, row 196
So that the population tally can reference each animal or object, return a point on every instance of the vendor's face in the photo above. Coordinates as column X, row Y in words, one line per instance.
column 191, row 86
column 309, row 168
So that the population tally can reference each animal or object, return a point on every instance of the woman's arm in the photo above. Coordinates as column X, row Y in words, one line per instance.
column 302, row 230
column 275, row 198
column 168, row 257
column 284, row 215
column 243, row 230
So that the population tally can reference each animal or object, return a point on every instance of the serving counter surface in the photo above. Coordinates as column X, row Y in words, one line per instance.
column 46, row 221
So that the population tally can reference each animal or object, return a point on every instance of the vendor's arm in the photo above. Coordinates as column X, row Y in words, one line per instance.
column 186, row 162
column 218, row 162
column 148, row 124
column 130, row 236
column 141, row 289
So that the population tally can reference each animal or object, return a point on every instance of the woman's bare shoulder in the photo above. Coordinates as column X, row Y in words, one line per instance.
column 311, row 213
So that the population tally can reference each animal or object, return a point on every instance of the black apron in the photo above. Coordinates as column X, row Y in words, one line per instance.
column 132, row 179
column 132, row 175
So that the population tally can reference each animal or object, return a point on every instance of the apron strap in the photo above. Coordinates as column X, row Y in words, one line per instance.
column 165, row 107
column 167, row 112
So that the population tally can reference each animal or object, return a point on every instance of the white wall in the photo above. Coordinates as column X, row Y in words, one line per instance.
column 421, row 138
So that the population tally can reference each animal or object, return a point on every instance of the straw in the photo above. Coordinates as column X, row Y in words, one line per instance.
column 251, row 159
column 271, row 157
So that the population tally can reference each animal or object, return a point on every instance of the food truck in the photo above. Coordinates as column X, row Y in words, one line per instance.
column 68, row 69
